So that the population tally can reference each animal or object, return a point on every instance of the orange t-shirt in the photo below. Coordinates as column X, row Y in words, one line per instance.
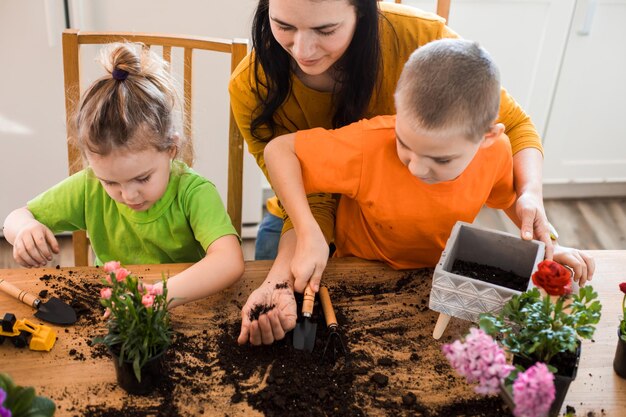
column 387, row 214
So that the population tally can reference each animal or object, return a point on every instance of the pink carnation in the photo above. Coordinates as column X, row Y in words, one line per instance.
column 105, row 293
column 479, row 359
column 533, row 391
column 147, row 300
column 111, row 266
column 156, row 290
column 144, row 288
column 121, row 274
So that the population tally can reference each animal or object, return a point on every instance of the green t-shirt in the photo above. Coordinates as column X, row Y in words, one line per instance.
column 178, row 228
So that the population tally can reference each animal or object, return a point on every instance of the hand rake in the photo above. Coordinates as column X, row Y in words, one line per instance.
column 334, row 342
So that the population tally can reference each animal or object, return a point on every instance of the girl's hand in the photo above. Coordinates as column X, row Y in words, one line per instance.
column 309, row 260
column 272, row 325
column 581, row 263
column 34, row 245
column 529, row 209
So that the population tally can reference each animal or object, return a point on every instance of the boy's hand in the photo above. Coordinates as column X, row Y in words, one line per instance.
column 581, row 263
column 273, row 325
column 531, row 213
column 34, row 245
column 309, row 260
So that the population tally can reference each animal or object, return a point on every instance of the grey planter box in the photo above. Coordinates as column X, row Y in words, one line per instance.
column 466, row 298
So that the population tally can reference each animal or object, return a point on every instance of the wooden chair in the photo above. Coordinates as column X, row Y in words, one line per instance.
column 443, row 8
column 73, row 39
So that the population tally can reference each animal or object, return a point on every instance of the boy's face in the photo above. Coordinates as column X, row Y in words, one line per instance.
column 137, row 179
column 430, row 157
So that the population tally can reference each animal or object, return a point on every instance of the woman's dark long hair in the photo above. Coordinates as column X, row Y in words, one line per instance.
column 358, row 69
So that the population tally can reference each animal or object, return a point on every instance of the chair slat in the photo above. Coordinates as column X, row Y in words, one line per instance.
column 187, row 117
column 167, row 54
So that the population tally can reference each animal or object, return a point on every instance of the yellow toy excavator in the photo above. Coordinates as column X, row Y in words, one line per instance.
column 41, row 337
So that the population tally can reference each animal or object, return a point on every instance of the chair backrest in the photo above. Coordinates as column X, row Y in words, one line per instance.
column 443, row 8
column 73, row 39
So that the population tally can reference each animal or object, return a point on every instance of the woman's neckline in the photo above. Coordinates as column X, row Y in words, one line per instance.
column 324, row 83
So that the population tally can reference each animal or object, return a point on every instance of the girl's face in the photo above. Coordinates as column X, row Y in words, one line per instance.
column 137, row 179
column 315, row 33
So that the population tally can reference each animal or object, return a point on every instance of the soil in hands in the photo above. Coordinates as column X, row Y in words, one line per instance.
column 490, row 274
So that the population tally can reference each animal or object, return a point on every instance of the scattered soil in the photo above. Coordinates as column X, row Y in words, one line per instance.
column 490, row 274
column 259, row 309
column 392, row 365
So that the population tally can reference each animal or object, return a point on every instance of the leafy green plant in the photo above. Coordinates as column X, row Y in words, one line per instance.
column 22, row 401
column 536, row 328
column 139, row 321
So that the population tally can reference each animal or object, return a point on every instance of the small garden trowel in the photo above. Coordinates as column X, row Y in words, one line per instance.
column 53, row 311
column 304, row 333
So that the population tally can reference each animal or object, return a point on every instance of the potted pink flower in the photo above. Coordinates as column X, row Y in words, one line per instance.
column 547, row 329
column 619, row 362
column 139, row 330
column 478, row 358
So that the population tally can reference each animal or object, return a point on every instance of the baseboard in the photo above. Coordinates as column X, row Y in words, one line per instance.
column 584, row 190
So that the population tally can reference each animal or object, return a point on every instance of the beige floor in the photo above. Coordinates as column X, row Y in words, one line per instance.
column 598, row 223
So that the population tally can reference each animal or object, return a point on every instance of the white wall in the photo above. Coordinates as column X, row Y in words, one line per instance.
column 32, row 109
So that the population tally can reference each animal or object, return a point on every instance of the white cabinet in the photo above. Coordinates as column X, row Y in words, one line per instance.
column 585, row 139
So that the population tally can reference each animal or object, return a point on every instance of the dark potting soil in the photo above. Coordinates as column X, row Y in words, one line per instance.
column 490, row 274
column 259, row 309
column 392, row 367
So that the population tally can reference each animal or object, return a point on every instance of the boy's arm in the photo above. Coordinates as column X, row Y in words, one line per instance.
column 311, row 254
column 219, row 269
column 33, row 242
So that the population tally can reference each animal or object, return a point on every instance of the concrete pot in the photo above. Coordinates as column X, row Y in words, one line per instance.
column 466, row 298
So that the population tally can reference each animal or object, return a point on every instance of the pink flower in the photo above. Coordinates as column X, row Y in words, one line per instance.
column 111, row 266
column 156, row 290
column 121, row 274
column 105, row 293
column 533, row 391
column 144, row 288
column 479, row 359
column 147, row 300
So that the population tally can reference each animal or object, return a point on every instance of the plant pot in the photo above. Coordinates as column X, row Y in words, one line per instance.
column 619, row 362
column 465, row 297
column 150, row 374
column 562, row 379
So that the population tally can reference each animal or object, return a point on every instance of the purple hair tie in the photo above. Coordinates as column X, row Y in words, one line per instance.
column 119, row 74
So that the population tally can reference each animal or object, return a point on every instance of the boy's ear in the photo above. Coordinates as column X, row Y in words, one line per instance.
column 494, row 132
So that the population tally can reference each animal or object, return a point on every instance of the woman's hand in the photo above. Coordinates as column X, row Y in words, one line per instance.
column 580, row 262
column 34, row 245
column 272, row 325
column 534, row 223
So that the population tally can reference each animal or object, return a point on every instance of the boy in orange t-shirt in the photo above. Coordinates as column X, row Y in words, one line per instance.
column 405, row 180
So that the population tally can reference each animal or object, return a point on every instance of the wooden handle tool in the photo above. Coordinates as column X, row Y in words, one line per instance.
column 327, row 307
column 23, row 296
column 308, row 300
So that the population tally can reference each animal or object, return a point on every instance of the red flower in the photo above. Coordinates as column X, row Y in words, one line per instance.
column 553, row 277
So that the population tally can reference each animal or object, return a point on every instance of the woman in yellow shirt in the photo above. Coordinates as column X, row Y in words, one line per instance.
column 328, row 64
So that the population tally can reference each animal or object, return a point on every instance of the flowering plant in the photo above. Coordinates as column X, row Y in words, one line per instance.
column 139, row 321
column 622, row 324
column 18, row 401
column 537, row 328
column 481, row 360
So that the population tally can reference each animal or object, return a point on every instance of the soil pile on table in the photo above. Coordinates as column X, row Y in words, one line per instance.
column 394, row 366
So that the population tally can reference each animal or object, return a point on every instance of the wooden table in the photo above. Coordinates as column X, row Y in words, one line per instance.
column 383, row 315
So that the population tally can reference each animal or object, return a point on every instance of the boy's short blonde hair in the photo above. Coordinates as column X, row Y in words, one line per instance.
column 451, row 85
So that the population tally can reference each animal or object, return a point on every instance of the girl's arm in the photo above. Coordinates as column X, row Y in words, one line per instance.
column 219, row 269
column 33, row 242
column 311, row 252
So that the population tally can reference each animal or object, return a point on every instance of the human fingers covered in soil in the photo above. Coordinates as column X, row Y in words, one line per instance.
column 268, row 314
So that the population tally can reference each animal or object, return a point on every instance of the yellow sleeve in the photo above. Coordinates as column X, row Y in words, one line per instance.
column 517, row 125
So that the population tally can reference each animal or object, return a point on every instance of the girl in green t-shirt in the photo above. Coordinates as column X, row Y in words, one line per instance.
column 137, row 203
